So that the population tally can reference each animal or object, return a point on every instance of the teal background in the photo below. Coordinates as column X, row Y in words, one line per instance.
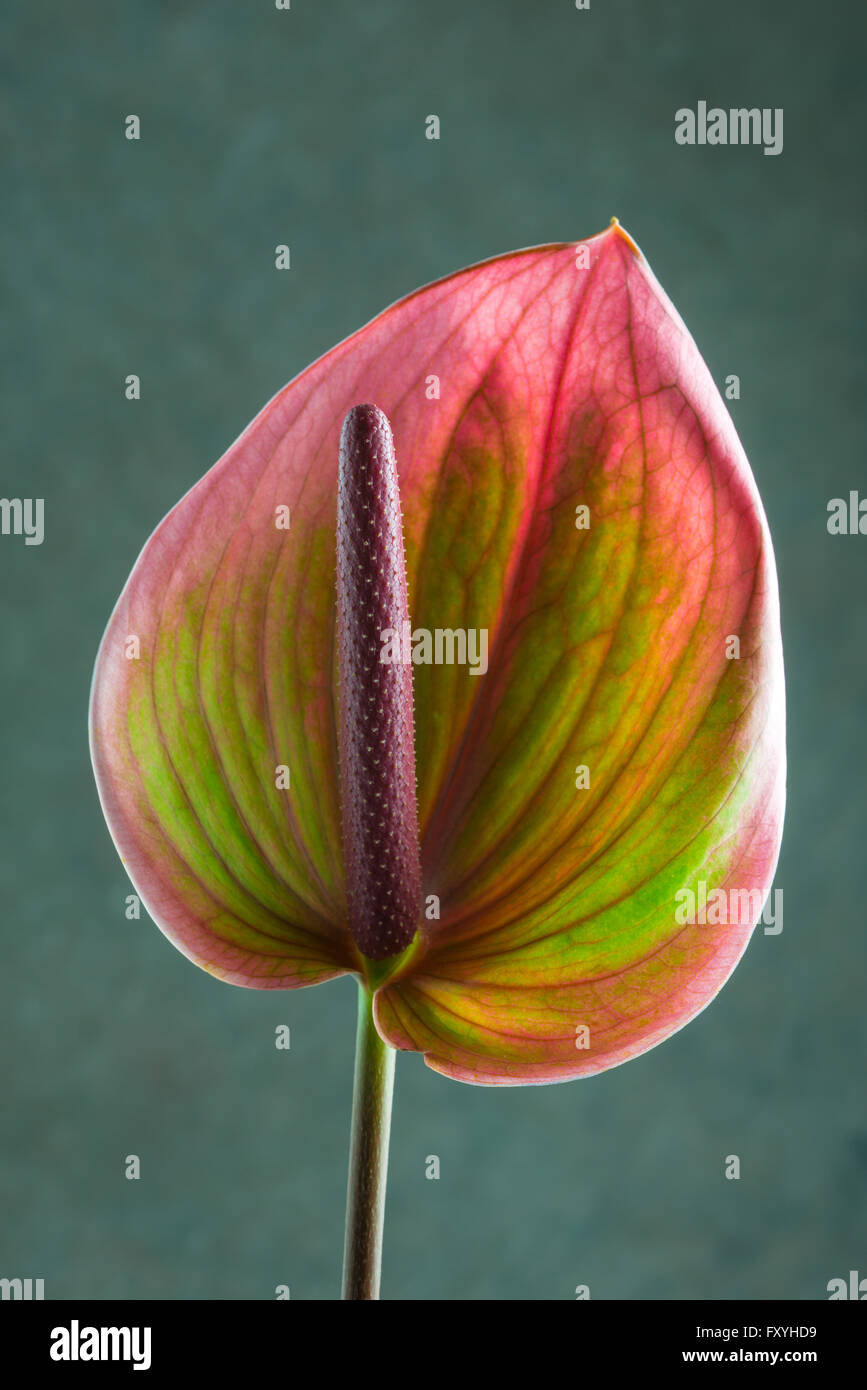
column 157, row 257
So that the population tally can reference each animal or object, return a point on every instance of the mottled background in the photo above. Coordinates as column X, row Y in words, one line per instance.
column 307, row 127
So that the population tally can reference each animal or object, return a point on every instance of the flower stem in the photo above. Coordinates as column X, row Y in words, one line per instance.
column 368, row 1155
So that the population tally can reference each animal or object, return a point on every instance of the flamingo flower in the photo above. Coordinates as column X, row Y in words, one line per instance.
column 455, row 673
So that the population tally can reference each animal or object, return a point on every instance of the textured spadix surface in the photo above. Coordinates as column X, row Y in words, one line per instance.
column 377, row 760
column 518, row 390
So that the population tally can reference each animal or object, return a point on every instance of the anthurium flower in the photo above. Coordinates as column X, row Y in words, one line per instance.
column 461, row 672
column 577, row 505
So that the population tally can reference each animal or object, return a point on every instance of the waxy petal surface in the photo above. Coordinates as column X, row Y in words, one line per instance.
column 518, row 391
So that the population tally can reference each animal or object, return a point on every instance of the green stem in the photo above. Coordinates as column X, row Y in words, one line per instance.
column 368, row 1155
